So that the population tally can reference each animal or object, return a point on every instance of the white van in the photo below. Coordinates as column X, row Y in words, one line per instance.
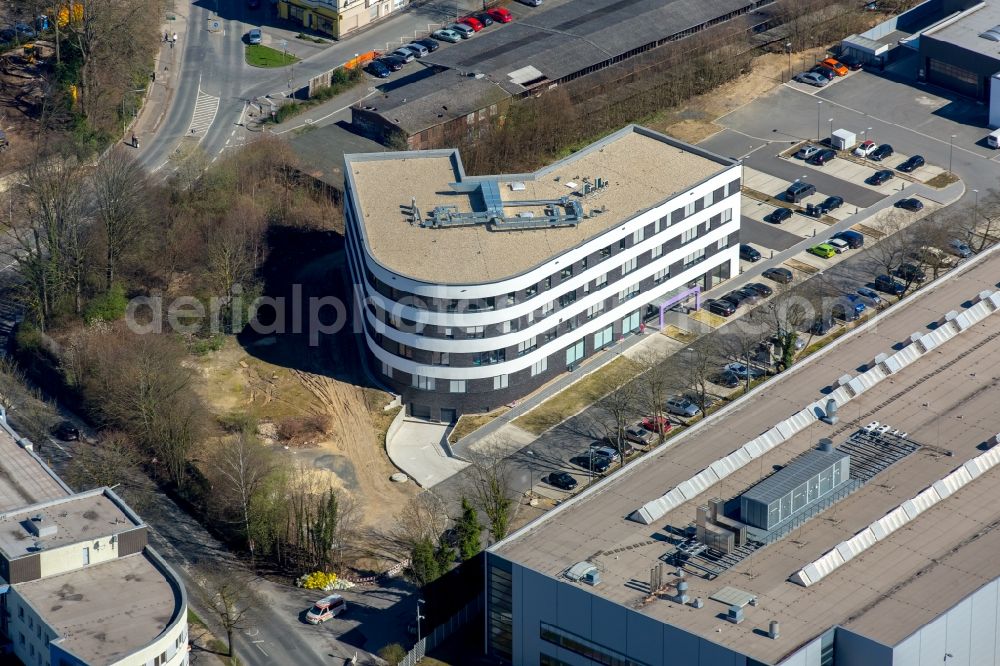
column 994, row 139
column 326, row 608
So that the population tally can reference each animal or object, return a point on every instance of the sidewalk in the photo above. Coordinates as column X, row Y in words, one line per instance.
column 160, row 93
column 419, row 449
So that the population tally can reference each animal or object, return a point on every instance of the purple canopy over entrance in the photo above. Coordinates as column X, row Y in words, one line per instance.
column 683, row 296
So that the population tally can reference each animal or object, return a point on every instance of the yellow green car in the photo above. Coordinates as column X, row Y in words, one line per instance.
column 824, row 250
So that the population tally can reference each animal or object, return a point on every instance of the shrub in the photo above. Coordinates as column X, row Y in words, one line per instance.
column 107, row 307
column 392, row 653
column 302, row 426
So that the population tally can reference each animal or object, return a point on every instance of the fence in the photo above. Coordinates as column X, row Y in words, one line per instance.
column 443, row 631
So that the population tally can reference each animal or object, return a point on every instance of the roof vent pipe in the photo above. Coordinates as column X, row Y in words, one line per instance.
column 773, row 630
column 826, row 445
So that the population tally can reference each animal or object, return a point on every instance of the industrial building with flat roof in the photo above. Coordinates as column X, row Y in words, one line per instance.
column 80, row 583
column 474, row 81
column 474, row 291
column 899, row 569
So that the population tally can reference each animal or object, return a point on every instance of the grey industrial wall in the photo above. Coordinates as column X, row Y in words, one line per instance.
column 984, row 66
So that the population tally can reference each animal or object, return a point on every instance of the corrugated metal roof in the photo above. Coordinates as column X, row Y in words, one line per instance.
column 797, row 472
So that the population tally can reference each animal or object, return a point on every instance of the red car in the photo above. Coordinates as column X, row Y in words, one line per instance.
column 658, row 424
column 472, row 22
column 501, row 15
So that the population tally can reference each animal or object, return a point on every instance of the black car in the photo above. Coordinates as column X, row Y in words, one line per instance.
column 823, row 156
column 720, row 307
column 880, row 177
column 379, row 69
column 779, row 215
column 912, row 163
column 429, row 44
column 831, row 203
column 748, row 253
column 485, row 19
column 798, row 191
column 762, row 290
column 394, row 63
column 779, row 275
column 66, row 432
column 882, row 152
column 592, row 463
column 821, row 326
column 850, row 62
column 853, row 239
column 910, row 273
column 887, row 285
column 739, row 297
column 727, row 379
column 910, row 204
column 562, row 480
column 825, row 72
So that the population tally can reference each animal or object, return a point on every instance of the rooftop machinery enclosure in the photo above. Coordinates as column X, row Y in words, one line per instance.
column 807, row 479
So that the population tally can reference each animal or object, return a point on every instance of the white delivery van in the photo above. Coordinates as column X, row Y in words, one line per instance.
column 994, row 139
column 326, row 608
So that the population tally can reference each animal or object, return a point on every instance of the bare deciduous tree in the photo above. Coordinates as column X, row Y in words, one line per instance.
column 491, row 487
column 654, row 385
column 229, row 595
column 616, row 410
column 696, row 365
column 424, row 517
column 121, row 191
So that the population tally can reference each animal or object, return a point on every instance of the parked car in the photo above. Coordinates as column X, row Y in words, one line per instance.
column 928, row 255
column 835, row 65
column 823, row 250
column 592, row 462
column 447, row 35
column 742, row 371
column 821, row 326
column 831, row 203
column 871, row 295
column 882, row 152
column 779, row 275
column 472, row 22
column 737, row 298
column 798, row 191
column 779, row 215
column 762, row 289
column 637, row 434
column 254, row 36
column 839, row 245
column 719, row 307
column 808, row 151
column 910, row 273
column 326, row 608
column 887, row 285
column 378, row 68
column 561, row 480
column 406, row 54
column 394, row 63
column 912, row 163
column 501, row 15
column 657, row 424
column 681, row 406
column 959, row 249
column 749, row 253
column 464, row 29
column 532, row 3
column 865, row 148
column 811, row 79
column 823, row 156
column 419, row 50
column 853, row 238
column 910, row 204
column 851, row 302
column 825, row 72
column 880, row 177
column 428, row 44
column 66, row 432
column 484, row 18
column 727, row 379
column 852, row 63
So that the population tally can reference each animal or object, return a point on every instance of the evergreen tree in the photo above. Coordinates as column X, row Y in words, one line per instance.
column 469, row 530
column 424, row 565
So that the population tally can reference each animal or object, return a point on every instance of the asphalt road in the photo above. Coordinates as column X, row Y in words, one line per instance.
column 767, row 235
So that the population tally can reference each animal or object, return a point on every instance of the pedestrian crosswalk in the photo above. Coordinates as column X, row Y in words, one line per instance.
column 205, row 109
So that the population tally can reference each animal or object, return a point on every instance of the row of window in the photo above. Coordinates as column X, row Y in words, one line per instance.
column 598, row 654
column 491, row 303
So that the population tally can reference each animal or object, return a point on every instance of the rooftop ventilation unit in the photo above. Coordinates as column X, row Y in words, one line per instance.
column 39, row 527
column 993, row 34
column 584, row 572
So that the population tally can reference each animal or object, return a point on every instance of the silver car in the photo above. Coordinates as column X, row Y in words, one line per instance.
column 419, row 50
column 959, row 249
column 812, row 79
column 463, row 29
column 446, row 35
column 406, row 54
column 681, row 406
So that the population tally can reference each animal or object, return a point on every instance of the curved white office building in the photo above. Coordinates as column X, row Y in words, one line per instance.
column 476, row 290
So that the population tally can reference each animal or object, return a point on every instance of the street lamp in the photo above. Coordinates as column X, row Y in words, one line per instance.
column 419, row 617
column 975, row 208
column 951, row 149
column 819, row 114
column 531, row 472
column 788, row 50
column 831, row 129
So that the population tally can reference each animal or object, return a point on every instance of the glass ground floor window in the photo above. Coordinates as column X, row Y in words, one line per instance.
column 631, row 323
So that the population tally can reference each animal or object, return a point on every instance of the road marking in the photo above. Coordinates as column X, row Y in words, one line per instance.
column 257, row 644
column 205, row 109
